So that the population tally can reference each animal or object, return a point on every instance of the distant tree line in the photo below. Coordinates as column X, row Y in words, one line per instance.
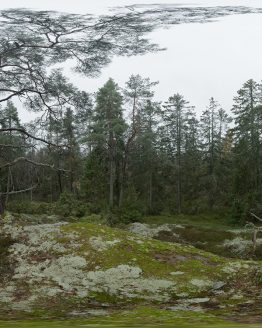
column 122, row 152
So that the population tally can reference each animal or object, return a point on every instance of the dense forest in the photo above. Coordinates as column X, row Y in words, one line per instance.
column 120, row 152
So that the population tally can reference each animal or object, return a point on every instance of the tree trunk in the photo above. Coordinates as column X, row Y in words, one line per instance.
column 111, row 168
column 150, row 191
column 179, row 183
column 111, row 182
column 121, row 187
column 60, row 182
column 212, row 158
column 8, row 187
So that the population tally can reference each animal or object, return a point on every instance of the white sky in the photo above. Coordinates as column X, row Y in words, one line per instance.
column 202, row 60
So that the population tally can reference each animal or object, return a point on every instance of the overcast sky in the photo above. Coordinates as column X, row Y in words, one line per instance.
column 202, row 60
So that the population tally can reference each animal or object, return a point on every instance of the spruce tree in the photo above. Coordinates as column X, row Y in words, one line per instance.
column 108, row 129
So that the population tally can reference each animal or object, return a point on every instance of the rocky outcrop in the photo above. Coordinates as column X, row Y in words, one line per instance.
column 63, row 266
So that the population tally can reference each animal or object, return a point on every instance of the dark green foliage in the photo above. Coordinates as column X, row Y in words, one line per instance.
column 68, row 205
column 127, row 156
column 239, row 211
column 30, row 207
column 133, row 208
column 107, row 140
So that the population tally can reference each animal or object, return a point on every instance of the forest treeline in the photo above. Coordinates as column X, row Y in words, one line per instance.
column 119, row 151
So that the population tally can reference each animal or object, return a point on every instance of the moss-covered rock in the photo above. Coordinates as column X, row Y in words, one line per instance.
column 221, row 240
column 65, row 267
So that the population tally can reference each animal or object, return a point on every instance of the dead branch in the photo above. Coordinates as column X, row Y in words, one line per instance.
column 255, row 216
column 29, row 135
column 18, row 191
column 24, row 159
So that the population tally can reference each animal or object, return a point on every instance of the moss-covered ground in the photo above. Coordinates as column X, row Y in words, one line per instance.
column 138, row 317
column 216, row 221
column 229, row 287
column 209, row 232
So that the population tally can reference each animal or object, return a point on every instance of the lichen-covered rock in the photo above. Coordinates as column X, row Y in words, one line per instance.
column 148, row 231
column 80, row 263
column 51, row 261
column 99, row 244
column 240, row 246
column 201, row 284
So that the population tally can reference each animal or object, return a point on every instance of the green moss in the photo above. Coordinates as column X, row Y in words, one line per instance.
column 156, row 259
column 207, row 220
column 138, row 317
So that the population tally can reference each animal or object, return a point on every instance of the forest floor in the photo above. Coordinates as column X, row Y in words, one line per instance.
column 163, row 270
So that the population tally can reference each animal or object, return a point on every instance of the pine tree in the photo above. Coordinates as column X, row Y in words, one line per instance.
column 137, row 94
column 108, row 129
column 72, row 152
column 14, row 148
column 83, row 120
column 247, row 131
column 144, row 154
column 176, row 115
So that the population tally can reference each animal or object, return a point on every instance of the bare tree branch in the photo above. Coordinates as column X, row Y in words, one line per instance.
column 23, row 159
column 256, row 217
column 18, row 191
column 23, row 131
